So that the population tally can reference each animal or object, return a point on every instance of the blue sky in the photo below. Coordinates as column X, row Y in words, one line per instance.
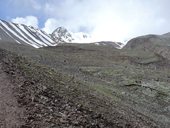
column 115, row 20
column 20, row 8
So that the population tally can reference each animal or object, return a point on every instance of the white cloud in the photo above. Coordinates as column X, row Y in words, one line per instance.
column 111, row 19
column 81, row 37
column 50, row 25
column 115, row 20
column 28, row 20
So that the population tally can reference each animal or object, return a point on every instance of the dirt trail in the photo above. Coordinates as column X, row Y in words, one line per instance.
column 10, row 113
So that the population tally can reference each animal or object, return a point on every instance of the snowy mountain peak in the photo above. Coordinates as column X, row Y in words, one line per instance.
column 61, row 30
column 62, row 35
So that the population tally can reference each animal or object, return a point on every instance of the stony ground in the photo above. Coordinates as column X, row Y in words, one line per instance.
column 10, row 113
column 83, row 88
column 23, row 103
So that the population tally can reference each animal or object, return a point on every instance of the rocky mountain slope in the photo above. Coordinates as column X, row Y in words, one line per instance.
column 122, row 88
column 39, row 100
column 148, row 42
column 23, row 34
column 63, row 90
column 158, row 44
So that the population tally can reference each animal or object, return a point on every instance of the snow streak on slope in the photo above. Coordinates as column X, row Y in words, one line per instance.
column 43, row 35
column 10, row 30
column 10, row 37
column 30, row 42
column 24, row 35
column 39, row 43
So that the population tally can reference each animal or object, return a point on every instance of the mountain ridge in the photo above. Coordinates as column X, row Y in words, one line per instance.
column 23, row 34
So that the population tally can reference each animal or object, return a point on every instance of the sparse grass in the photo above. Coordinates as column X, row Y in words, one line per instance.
column 108, row 92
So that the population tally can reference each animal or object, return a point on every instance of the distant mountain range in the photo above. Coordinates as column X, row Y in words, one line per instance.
column 37, row 38
column 28, row 35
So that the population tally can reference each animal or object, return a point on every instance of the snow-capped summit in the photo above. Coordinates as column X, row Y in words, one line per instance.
column 62, row 35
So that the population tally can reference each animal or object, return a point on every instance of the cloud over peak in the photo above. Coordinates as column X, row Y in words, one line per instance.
column 50, row 25
column 28, row 20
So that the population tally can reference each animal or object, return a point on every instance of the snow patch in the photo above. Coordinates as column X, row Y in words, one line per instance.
column 96, row 43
